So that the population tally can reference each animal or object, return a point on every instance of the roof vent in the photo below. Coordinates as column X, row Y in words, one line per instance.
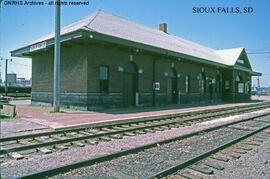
column 163, row 27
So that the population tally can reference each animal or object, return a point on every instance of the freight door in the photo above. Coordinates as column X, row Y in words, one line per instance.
column 172, row 90
column 129, row 89
column 130, row 84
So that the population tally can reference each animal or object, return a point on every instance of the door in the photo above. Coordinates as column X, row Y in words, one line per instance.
column 129, row 89
column 172, row 90
column 130, row 84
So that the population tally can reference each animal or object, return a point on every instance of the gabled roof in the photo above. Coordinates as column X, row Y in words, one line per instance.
column 230, row 56
column 105, row 23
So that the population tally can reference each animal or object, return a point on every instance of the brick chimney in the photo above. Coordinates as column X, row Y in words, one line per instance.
column 163, row 27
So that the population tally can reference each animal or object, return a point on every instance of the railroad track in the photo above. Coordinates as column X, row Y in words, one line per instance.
column 212, row 161
column 172, row 171
column 47, row 142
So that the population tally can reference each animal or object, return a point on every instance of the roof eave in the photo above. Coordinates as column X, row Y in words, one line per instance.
column 146, row 47
column 253, row 73
column 26, row 51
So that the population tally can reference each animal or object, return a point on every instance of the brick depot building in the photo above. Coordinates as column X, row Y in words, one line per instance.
column 108, row 62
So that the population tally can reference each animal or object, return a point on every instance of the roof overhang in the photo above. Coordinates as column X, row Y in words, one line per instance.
column 29, row 50
column 146, row 47
column 248, row 70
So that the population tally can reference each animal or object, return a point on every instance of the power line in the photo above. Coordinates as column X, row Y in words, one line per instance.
column 258, row 49
column 266, row 52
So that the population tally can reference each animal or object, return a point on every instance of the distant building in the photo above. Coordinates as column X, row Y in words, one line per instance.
column 23, row 82
column 11, row 79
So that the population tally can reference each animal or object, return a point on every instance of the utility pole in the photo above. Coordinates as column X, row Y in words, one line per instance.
column 6, row 69
column 6, row 77
column 56, row 89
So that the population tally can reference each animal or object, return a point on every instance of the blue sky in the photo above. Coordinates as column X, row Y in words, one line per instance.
column 22, row 24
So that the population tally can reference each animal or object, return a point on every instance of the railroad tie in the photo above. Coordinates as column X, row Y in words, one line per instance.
column 256, row 140
column 118, row 128
column 60, row 147
column 56, row 137
column 262, row 138
column 241, row 128
column 84, row 133
column 232, row 155
column 215, row 166
column 91, row 141
column 244, row 148
column 158, row 129
column 93, row 131
column 251, row 143
column 125, row 126
column 189, row 175
column 220, row 158
column 239, row 151
column 45, row 150
column 139, row 132
column 175, row 177
column 134, row 125
column 79, row 144
column 40, row 140
column 149, row 130
column 108, row 129
column 261, row 120
column 16, row 156
column 116, row 136
column 129, row 134
column 104, row 138
column 201, row 169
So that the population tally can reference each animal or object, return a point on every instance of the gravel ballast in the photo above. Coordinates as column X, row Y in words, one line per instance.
column 254, row 164
column 153, row 160
column 42, row 162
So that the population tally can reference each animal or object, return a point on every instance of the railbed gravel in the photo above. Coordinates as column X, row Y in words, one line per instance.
column 254, row 164
column 152, row 160
column 41, row 162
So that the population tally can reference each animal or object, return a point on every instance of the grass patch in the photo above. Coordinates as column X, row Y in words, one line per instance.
column 4, row 117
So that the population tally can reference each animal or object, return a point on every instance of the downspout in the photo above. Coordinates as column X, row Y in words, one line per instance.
column 154, row 80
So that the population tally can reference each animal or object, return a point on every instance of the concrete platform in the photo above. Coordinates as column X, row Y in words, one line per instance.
column 67, row 118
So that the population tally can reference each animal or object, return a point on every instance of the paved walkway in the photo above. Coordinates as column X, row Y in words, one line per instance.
column 43, row 115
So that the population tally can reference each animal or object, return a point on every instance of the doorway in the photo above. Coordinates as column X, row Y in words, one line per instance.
column 172, row 86
column 130, row 84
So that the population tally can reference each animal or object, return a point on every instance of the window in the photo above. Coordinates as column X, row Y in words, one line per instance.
column 201, row 80
column 104, row 80
column 187, row 83
column 240, row 87
column 241, row 61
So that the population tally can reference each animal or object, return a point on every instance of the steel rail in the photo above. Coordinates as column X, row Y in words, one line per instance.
column 130, row 129
column 89, row 162
column 200, row 157
column 134, row 121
